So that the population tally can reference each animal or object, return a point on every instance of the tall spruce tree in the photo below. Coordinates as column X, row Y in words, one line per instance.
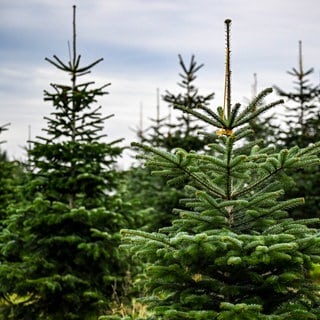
column 235, row 253
column 302, row 128
column 59, row 248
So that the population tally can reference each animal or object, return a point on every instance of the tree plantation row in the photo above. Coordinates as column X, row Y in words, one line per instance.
column 219, row 218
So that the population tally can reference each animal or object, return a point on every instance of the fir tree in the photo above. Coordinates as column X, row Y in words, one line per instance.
column 302, row 116
column 184, row 133
column 183, row 130
column 143, row 187
column 302, row 128
column 264, row 127
column 158, row 197
column 235, row 253
column 59, row 248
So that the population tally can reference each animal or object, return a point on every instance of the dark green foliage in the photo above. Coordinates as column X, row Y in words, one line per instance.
column 154, row 196
column 59, row 246
column 154, row 191
column 234, row 252
column 57, row 256
column 11, row 176
column 235, row 248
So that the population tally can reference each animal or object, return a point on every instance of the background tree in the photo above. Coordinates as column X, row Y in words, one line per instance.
column 234, row 253
column 11, row 177
column 265, row 127
column 302, row 113
column 59, row 247
column 159, row 198
column 184, row 132
column 302, row 128
column 156, row 133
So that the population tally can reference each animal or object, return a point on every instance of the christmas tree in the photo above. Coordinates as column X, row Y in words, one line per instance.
column 59, row 247
column 302, row 128
column 302, row 113
column 167, row 133
column 184, row 132
column 234, row 253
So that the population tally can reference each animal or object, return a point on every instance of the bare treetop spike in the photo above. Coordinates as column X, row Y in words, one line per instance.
column 227, row 84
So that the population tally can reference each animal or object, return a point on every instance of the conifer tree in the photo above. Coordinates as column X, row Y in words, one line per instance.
column 302, row 115
column 156, row 133
column 184, row 133
column 59, row 248
column 142, row 186
column 234, row 253
column 264, row 127
column 12, row 175
column 302, row 127
column 183, row 130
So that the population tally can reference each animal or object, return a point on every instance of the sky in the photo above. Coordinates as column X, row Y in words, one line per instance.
column 139, row 41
